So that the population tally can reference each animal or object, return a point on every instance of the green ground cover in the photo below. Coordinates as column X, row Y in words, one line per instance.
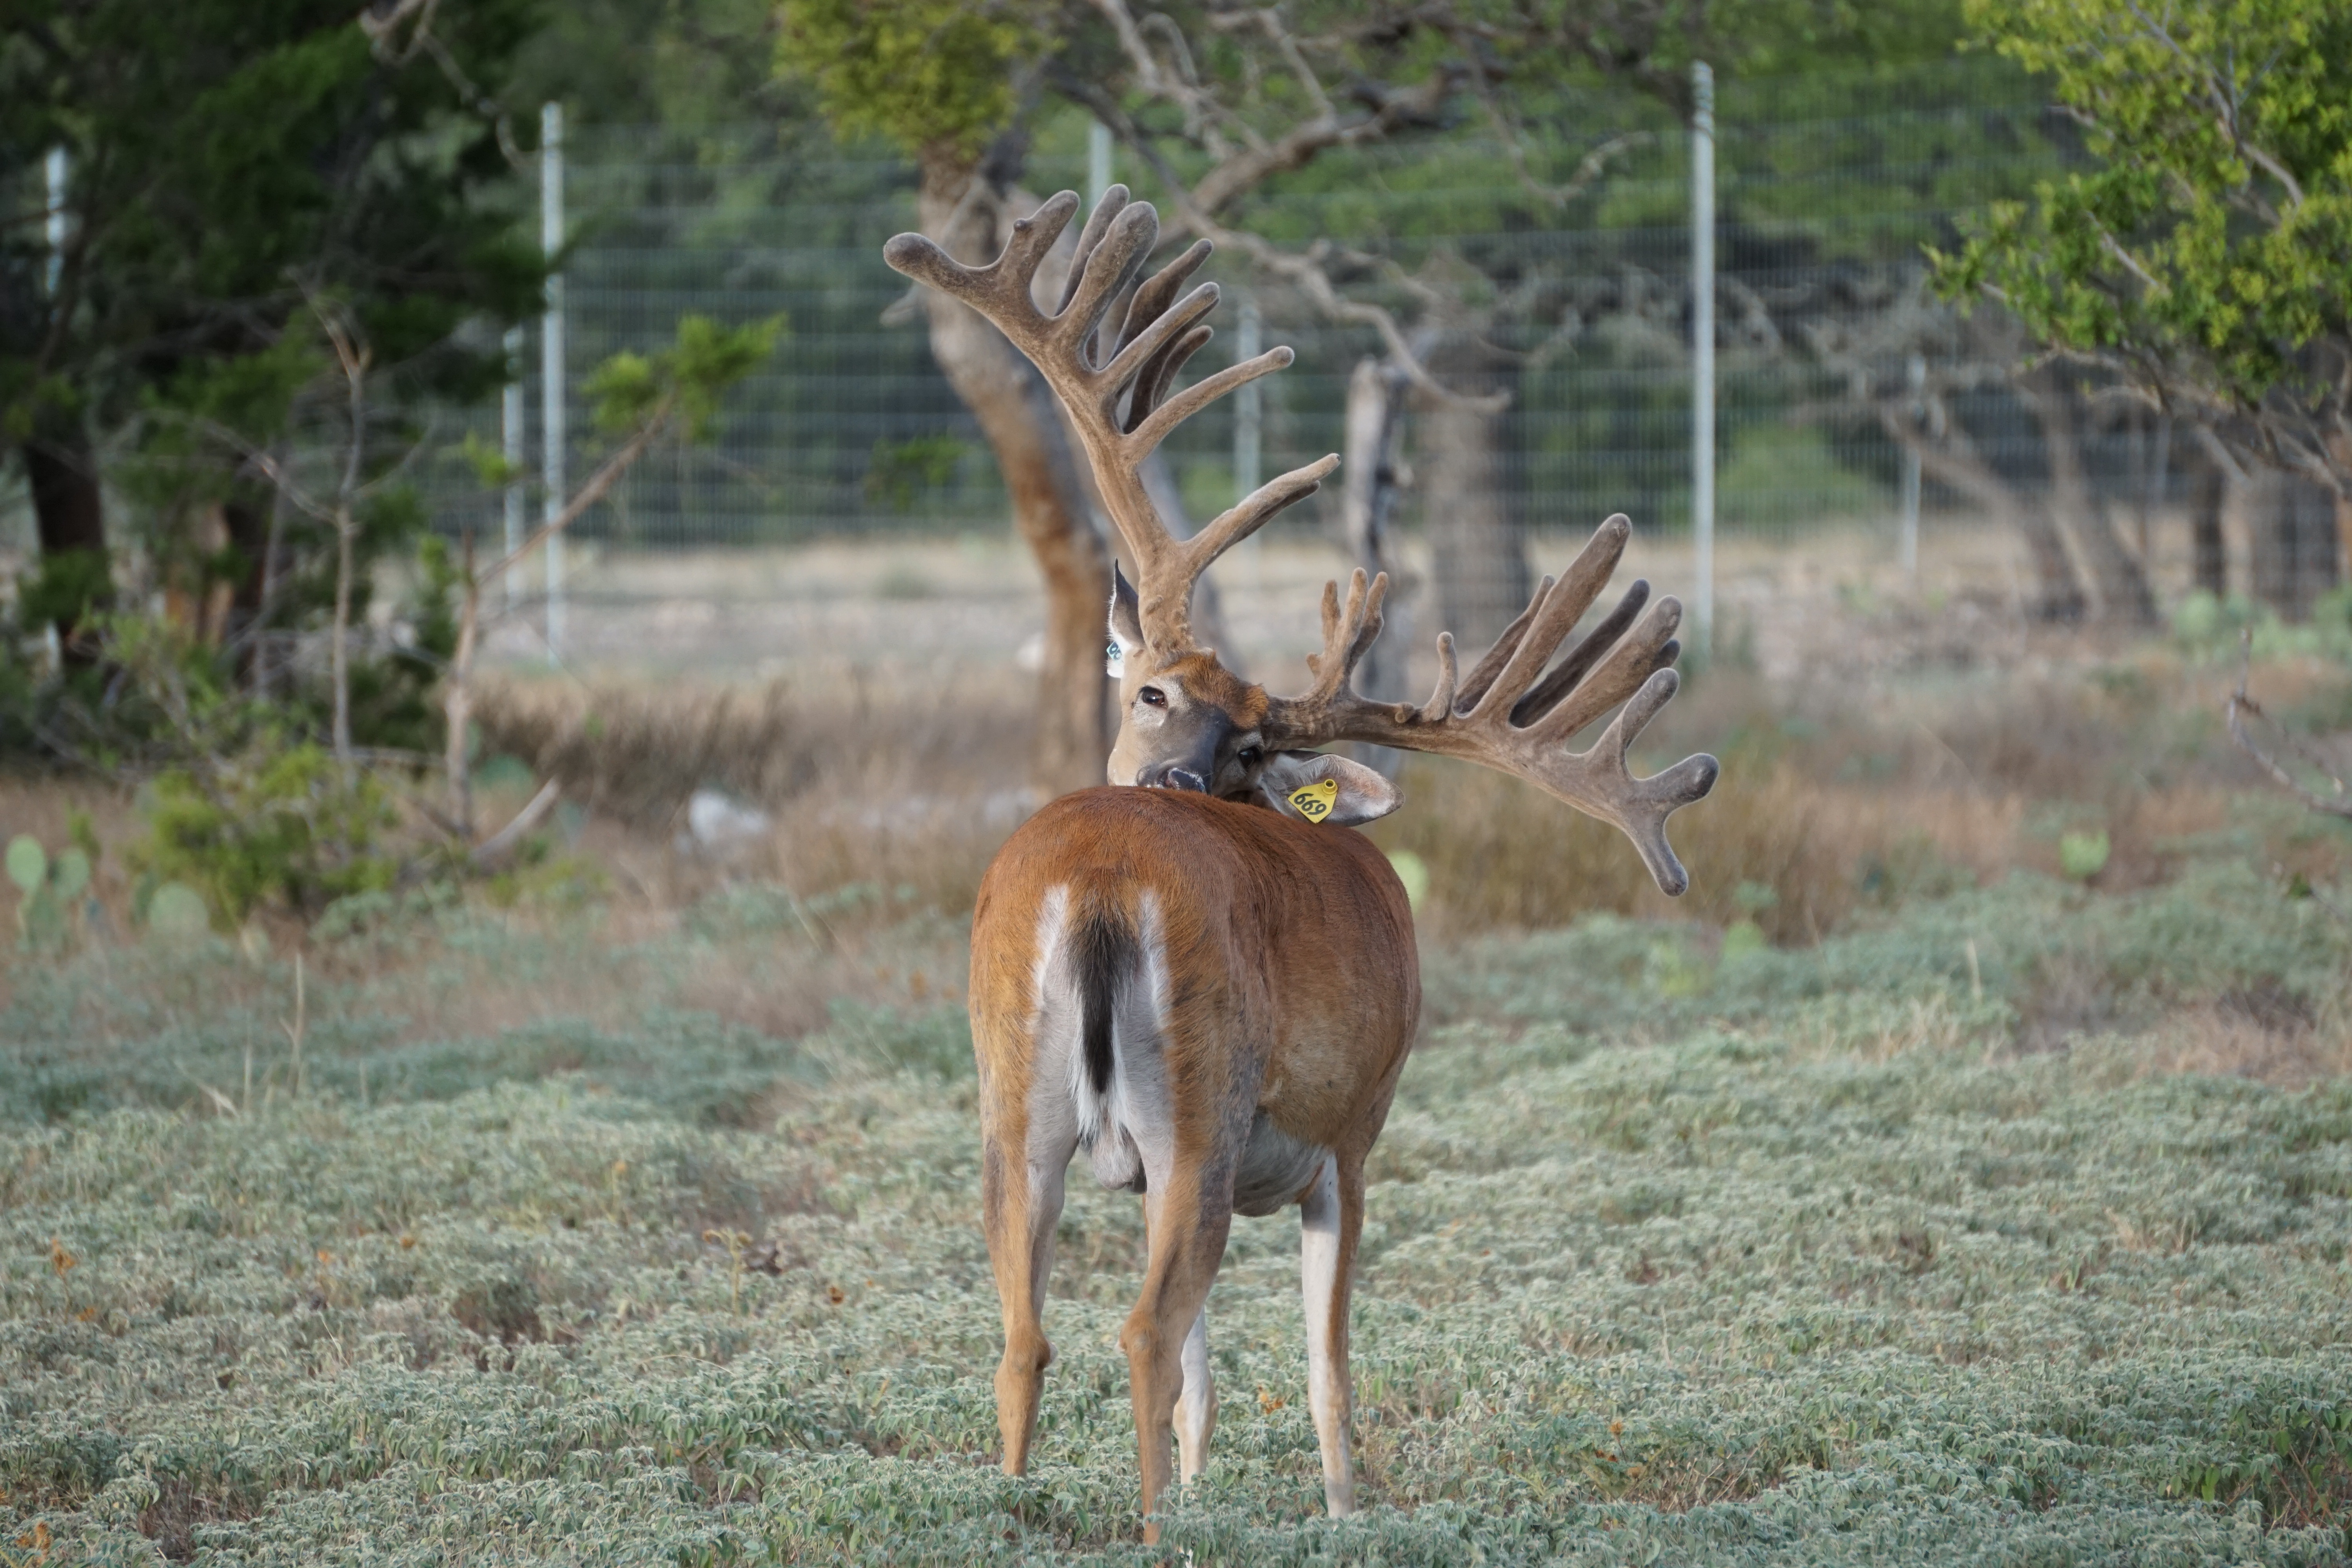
column 1672, row 1257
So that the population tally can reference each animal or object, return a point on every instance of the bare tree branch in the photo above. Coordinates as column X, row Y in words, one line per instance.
column 2225, row 101
column 599, row 484
column 499, row 845
column 2241, row 706
column 382, row 21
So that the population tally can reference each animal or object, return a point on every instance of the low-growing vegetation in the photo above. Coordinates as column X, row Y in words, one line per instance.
column 2009, row 1223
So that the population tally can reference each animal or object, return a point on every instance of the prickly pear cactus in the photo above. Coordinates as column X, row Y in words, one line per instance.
column 176, row 912
column 40, row 916
column 70, row 876
column 29, row 864
column 51, row 892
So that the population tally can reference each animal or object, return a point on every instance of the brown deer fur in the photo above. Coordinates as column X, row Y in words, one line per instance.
column 1263, row 1003
column 1208, row 984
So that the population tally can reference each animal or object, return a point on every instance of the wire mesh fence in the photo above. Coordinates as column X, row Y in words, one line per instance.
column 1579, row 310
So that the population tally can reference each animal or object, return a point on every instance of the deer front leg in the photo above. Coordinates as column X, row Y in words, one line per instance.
column 1186, row 1246
column 1196, row 1407
column 1331, row 1217
column 1021, row 1202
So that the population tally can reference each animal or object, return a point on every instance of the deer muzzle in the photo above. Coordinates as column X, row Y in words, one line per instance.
column 1174, row 776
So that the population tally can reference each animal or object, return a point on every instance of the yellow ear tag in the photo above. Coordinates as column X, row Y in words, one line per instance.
column 1314, row 802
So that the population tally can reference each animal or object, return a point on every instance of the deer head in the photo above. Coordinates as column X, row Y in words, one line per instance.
column 1185, row 721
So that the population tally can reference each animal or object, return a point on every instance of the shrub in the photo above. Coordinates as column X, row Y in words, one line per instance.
column 281, row 822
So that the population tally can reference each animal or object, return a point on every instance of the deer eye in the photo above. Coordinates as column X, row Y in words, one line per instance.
column 1151, row 696
column 1249, row 756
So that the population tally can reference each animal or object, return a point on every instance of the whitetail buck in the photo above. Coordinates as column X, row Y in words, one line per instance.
column 1211, row 997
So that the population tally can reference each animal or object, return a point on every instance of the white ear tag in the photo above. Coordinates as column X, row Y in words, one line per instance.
column 1314, row 802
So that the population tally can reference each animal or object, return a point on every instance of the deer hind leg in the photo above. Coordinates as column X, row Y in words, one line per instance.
column 1196, row 1407
column 1187, row 1239
column 1020, row 1196
column 1331, row 1218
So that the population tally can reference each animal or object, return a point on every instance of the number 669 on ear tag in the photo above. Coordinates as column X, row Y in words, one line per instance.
column 1314, row 802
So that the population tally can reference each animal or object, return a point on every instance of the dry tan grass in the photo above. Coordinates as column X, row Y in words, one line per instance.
column 1772, row 844
column 2262, row 1034
column 907, row 785
column 1502, row 855
column 1826, row 803
column 638, row 751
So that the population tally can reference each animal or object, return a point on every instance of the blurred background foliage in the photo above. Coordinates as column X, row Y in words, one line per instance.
column 461, row 1084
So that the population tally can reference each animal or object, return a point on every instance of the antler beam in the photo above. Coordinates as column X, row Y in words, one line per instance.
column 1119, row 400
column 1506, row 714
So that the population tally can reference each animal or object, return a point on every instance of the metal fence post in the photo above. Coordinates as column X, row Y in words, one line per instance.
column 59, row 168
column 511, row 415
column 1914, row 374
column 1703, row 355
column 550, row 362
column 1249, row 423
column 1099, row 169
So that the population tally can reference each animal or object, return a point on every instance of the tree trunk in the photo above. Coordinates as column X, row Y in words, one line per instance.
column 2209, row 550
column 1476, row 544
column 2117, row 578
column 2291, row 528
column 458, row 704
column 1370, row 486
column 2061, row 592
column 1017, row 415
column 1953, row 460
column 247, row 517
column 69, row 519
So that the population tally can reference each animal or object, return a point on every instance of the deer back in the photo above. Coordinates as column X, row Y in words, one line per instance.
column 1280, row 956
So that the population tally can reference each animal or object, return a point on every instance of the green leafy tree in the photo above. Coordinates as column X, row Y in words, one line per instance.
column 955, row 86
column 1222, row 110
column 704, row 66
column 938, row 76
column 227, row 158
column 2206, row 255
column 639, row 399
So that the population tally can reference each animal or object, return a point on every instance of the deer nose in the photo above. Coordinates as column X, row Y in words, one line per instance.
column 1173, row 777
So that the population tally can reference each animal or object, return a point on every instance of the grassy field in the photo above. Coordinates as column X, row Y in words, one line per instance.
column 1677, row 1252
column 1961, row 1173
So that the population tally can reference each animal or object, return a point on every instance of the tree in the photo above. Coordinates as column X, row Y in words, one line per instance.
column 638, row 400
column 2206, row 257
column 227, row 159
column 948, row 82
column 1233, row 110
column 1229, row 110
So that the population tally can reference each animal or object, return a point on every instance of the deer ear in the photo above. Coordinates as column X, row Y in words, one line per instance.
column 1355, row 793
column 1125, row 624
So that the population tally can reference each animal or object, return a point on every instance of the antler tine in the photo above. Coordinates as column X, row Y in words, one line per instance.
column 1256, row 510
column 1490, row 664
column 1158, row 291
column 1108, row 206
column 1632, row 662
column 1200, row 394
column 1103, row 270
column 1519, row 654
column 1544, row 694
column 1159, row 333
column 1441, row 701
column 1159, row 373
column 1503, row 716
column 1348, row 634
column 1000, row 290
column 1639, row 807
column 1155, row 337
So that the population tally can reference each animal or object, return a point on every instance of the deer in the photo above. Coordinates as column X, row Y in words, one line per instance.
column 1195, row 975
